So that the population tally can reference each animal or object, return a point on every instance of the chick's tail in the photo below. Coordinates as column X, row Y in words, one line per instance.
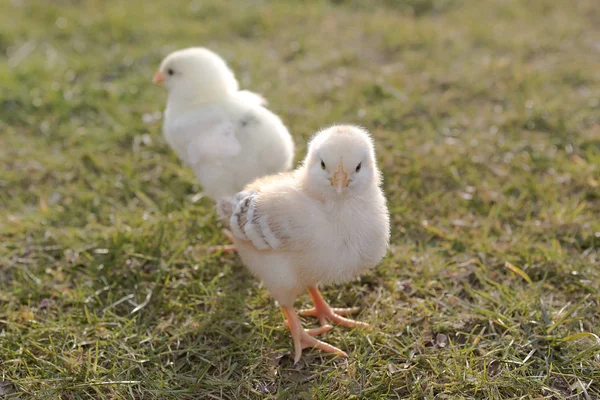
column 237, row 213
column 224, row 210
column 233, row 211
column 252, row 97
column 225, row 207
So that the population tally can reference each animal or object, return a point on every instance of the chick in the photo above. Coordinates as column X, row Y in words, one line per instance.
column 225, row 135
column 325, row 222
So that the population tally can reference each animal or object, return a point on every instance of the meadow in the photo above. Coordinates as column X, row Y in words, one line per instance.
column 486, row 116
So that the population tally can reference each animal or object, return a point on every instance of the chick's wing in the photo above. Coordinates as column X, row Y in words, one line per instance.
column 271, row 213
column 205, row 134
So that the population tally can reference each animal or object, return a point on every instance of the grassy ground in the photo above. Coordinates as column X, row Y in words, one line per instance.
column 486, row 116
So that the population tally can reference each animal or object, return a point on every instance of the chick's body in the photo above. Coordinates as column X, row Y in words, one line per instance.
column 225, row 135
column 229, row 144
column 325, row 222
column 320, row 241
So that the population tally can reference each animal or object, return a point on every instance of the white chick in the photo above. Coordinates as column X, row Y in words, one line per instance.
column 325, row 222
column 226, row 135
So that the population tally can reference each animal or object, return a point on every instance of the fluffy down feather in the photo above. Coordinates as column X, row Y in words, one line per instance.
column 325, row 222
column 225, row 135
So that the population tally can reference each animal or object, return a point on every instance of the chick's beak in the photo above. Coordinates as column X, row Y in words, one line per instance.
column 340, row 179
column 158, row 77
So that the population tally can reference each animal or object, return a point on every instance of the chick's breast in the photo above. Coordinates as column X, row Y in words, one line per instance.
column 349, row 239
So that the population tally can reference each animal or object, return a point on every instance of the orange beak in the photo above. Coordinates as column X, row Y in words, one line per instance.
column 340, row 179
column 158, row 77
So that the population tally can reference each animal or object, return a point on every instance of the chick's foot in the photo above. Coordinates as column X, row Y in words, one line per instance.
column 326, row 313
column 304, row 338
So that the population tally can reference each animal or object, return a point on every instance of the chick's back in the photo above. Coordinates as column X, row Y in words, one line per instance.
column 230, row 144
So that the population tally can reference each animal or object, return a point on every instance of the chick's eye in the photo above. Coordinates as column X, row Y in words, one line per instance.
column 170, row 71
column 323, row 165
column 358, row 166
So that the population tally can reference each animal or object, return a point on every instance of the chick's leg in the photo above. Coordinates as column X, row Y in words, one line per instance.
column 303, row 338
column 326, row 313
column 227, row 233
column 226, row 248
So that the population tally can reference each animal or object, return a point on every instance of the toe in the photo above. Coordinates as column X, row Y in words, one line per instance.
column 348, row 322
column 309, row 312
column 229, row 248
column 345, row 311
column 309, row 341
column 319, row 331
column 298, row 346
column 227, row 233
column 326, row 347
column 297, row 354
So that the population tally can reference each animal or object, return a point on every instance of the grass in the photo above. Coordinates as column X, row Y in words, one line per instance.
column 486, row 117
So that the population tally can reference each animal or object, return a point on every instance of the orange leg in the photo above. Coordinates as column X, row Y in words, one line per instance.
column 227, row 233
column 303, row 338
column 227, row 248
column 326, row 313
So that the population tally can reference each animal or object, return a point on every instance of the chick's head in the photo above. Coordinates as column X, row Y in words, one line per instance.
column 341, row 162
column 196, row 73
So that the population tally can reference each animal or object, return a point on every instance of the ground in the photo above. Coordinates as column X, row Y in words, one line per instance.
column 486, row 121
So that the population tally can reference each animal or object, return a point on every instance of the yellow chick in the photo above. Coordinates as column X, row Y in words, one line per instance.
column 325, row 222
column 224, row 134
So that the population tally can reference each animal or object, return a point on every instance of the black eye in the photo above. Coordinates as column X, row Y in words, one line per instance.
column 170, row 71
column 323, row 165
column 358, row 166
